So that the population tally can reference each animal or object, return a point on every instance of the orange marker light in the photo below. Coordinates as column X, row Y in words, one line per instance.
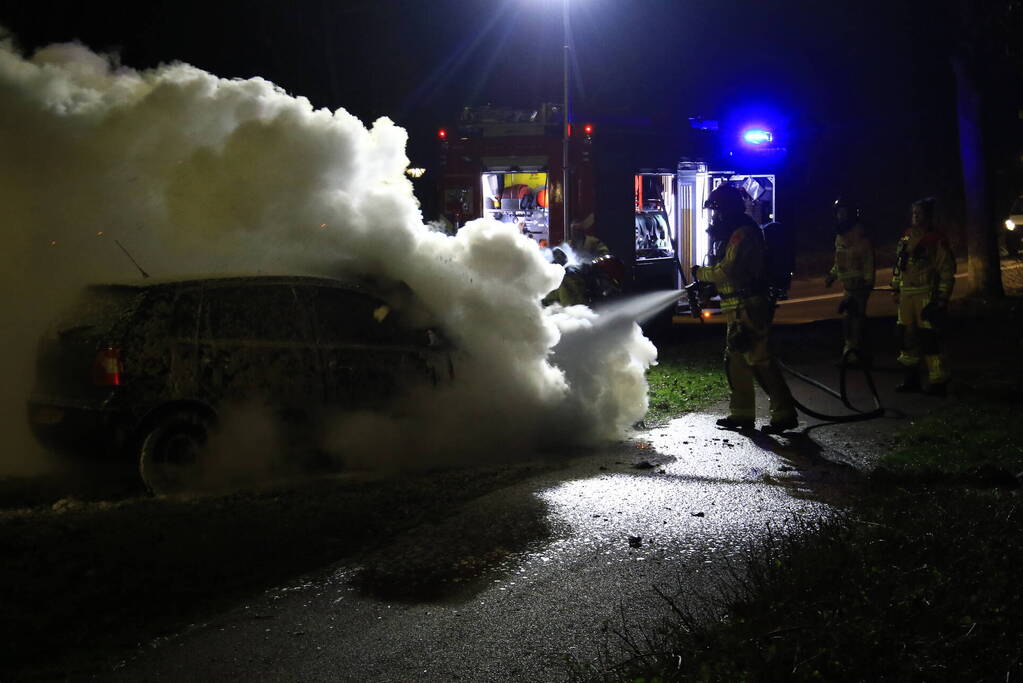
column 706, row 314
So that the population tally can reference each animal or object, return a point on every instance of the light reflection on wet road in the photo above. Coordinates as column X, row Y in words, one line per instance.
column 618, row 530
column 713, row 496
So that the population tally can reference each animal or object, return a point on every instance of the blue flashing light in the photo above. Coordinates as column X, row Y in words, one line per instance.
column 757, row 136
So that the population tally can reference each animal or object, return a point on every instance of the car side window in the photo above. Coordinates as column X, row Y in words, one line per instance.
column 265, row 312
column 346, row 317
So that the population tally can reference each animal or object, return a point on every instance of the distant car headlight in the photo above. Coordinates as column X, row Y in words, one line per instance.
column 1009, row 225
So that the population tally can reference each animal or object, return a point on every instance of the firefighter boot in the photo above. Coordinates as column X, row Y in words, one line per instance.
column 734, row 423
column 742, row 396
column 783, row 409
column 910, row 382
column 781, row 426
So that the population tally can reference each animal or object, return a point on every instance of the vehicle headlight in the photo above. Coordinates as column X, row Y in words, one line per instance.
column 1009, row 225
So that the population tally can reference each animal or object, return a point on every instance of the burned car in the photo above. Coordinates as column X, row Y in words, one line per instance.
column 142, row 371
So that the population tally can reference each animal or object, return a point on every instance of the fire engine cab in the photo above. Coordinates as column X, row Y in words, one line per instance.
column 507, row 164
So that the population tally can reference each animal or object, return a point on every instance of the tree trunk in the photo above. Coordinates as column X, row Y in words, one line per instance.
column 985, row 274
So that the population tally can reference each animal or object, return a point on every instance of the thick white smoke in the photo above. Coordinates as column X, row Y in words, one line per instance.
column 198, row 174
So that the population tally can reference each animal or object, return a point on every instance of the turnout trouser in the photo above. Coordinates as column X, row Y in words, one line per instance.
column 920, row 338
column 748, row 357
column 855, row 320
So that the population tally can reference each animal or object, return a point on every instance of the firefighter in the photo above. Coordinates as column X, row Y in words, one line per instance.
column 740, row 280
column 585, row 242
column 572, row 290
column 922, row 282
column 854, row 268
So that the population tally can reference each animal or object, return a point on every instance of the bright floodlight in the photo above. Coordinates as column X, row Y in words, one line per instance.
column 757, row 136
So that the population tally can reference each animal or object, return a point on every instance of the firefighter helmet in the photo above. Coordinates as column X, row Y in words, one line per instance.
column 852, row 208
column 727, row 199
column 927, row 206
column 922, row 214
column 847, row 215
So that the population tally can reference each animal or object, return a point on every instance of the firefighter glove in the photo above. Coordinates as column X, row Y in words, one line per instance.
column 693, row 294
column 694, row 271
column 843, row 305
column 829, row 279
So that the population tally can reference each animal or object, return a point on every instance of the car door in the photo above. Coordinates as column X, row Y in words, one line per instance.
column 159, row 347
column 367, row 355
column 182, row 337
column 257, row 343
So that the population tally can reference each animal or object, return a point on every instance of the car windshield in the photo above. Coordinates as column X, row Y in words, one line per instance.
column 97, row 309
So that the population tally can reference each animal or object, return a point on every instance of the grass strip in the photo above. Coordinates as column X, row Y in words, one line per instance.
column 921, row 586
column 687, row 378
column 962, row 438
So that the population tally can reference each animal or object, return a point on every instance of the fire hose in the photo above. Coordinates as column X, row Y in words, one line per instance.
column 932, row 312
column 842, row 394
column 857, row 415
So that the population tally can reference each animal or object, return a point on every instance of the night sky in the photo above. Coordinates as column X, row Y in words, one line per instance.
column 861, row 92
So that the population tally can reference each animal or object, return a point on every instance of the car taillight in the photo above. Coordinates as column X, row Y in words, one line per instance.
column 107, row 370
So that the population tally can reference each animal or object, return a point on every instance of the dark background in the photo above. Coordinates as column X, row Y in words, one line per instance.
column 860, row 95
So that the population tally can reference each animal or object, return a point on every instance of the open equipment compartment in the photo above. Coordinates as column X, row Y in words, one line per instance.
column 656, row 215
column 519, row 197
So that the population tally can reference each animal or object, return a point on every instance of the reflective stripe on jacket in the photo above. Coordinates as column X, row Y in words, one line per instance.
column 924, row 264
column 740, row 272
column 854, row 259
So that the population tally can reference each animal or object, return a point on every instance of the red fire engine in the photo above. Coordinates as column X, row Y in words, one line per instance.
column 507, row 164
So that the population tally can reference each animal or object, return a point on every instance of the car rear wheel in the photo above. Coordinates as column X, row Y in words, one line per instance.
column 173, row 452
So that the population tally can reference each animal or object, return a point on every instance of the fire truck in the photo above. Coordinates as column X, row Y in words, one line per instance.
column 671, row 222
column 507, row 165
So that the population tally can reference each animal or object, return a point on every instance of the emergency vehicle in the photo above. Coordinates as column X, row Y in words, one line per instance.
column 671, row 222
column 507, row 164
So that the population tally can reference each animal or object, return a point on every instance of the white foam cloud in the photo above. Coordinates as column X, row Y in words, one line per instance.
column 199, row 174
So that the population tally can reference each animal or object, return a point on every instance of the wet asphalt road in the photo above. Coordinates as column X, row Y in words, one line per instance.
column 709, row 493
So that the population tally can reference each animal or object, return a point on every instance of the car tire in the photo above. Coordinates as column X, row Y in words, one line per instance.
column 172, row 455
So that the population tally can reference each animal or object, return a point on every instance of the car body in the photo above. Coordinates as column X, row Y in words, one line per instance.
column 129, row 360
